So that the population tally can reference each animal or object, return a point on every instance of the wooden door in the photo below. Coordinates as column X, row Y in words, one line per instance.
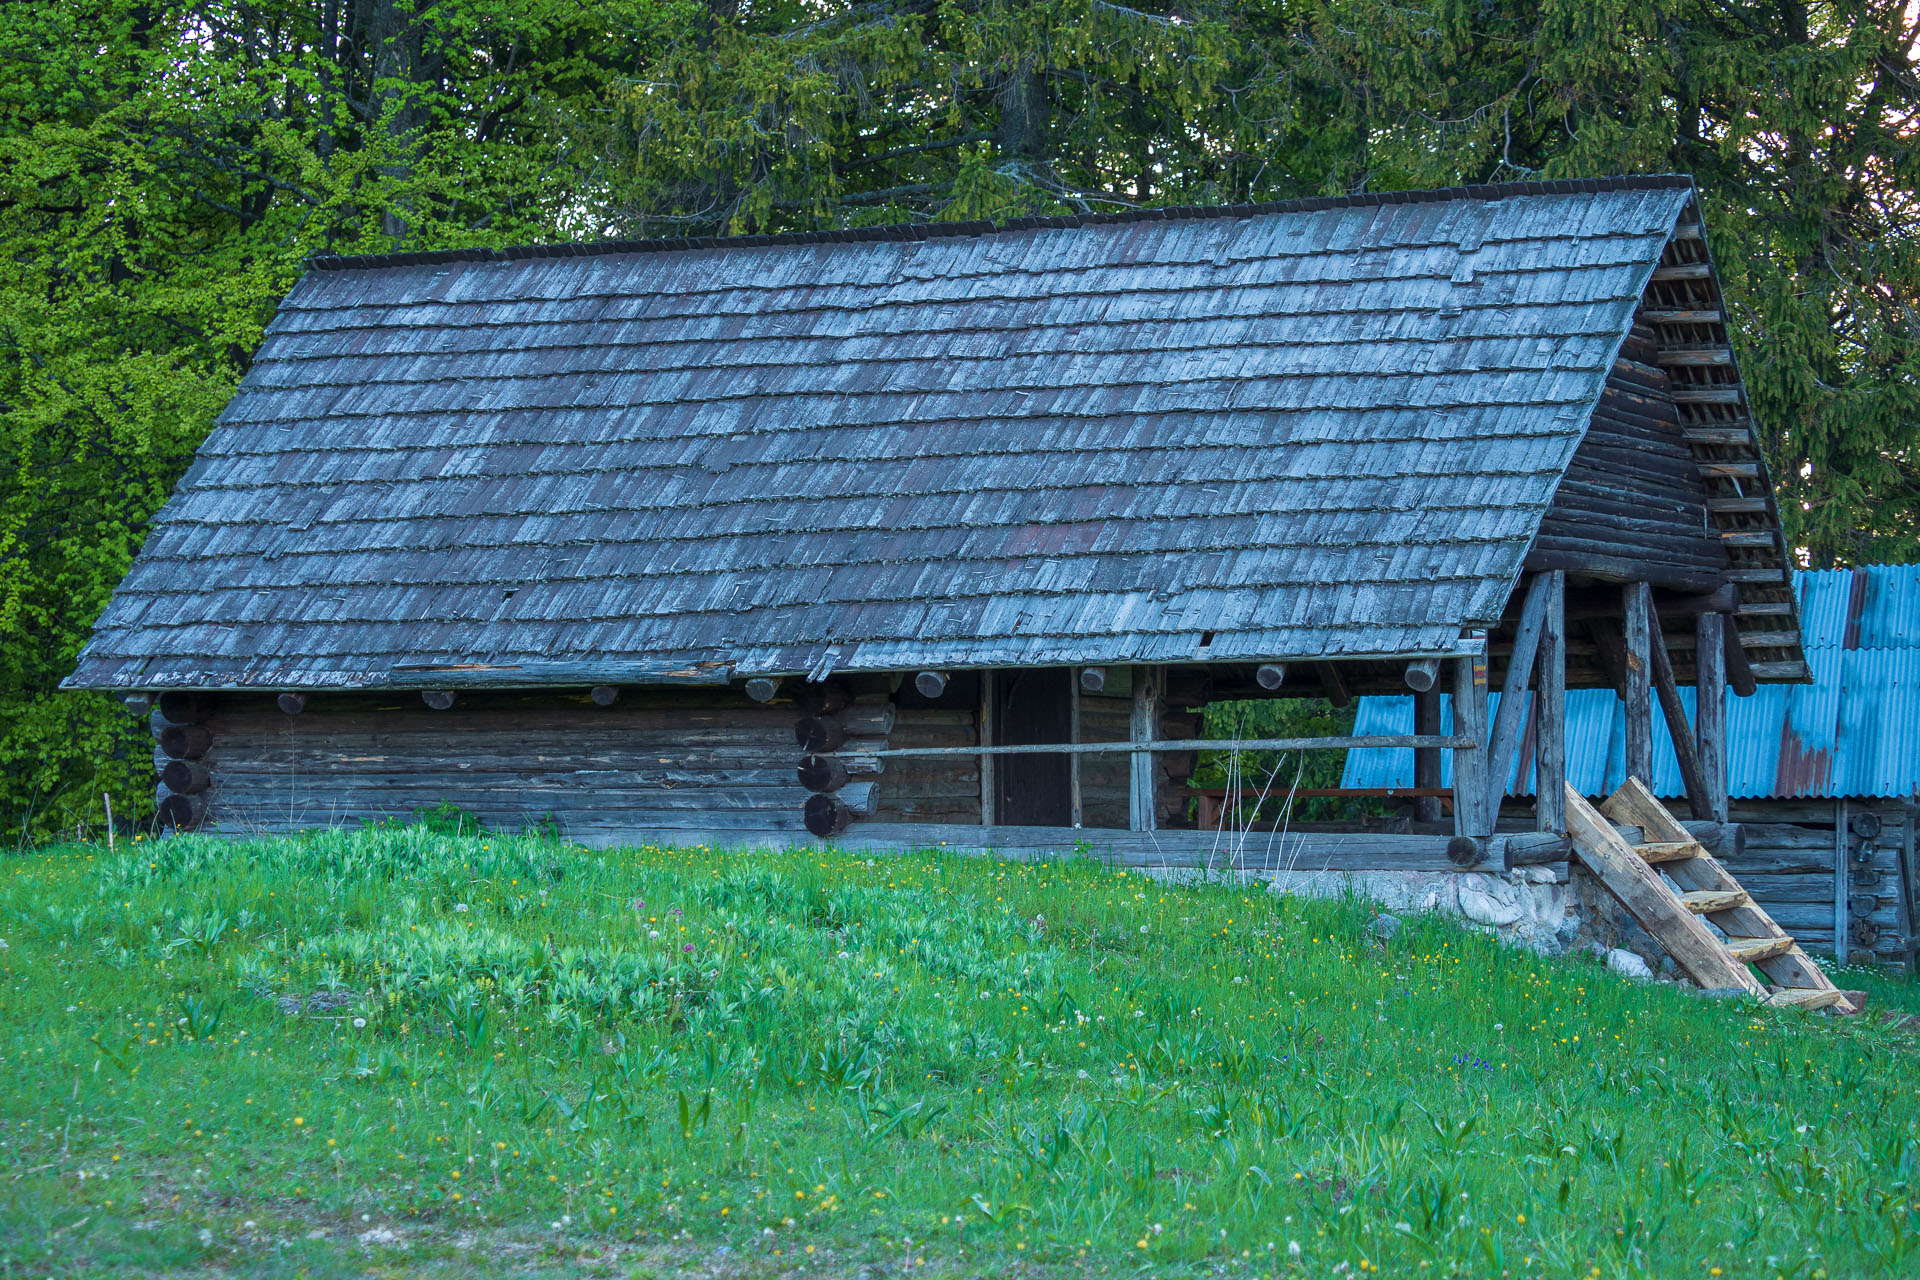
column 1033, row 706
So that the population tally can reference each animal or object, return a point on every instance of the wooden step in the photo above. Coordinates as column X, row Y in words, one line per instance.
column 1657, row 851
column 1707, row 901
column 1753, row 950
column 1793, row 998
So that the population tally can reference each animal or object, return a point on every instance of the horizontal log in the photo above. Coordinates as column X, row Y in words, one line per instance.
column 763, row 688
column 1093, row 679
column 1677, row 357
column 1270, row 675
column 291, row 703
column 1421, row 674
column 186, row 706
column 604, row 695
column 1702, row 316
column 1505, row 852
column 185, row 741
column 824, row 698
column 930, row 684
column 181, row 812
column 822, row 773
column 1188, row 744
column 820, row 735
column 185, row 777
column 875, row 721
column 826, row 815
column 525, row 675
column 1707, row 395
column 439, row 699
column 1681, row 271
column 1724, row 437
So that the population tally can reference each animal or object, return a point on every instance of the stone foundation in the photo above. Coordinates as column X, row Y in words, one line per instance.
column 1527, row 907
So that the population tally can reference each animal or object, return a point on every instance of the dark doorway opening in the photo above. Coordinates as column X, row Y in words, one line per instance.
column 1034, row 706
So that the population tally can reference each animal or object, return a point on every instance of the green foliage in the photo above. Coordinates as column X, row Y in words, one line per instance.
column 461, row 1045
column 164, row 169
column 1269, row 778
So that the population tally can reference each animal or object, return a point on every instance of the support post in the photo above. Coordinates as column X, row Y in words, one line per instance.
column 1710, row 709
column 1679, row 732
column 1470, row 816
column 989, row 784
column 1426, row 760
column 1073, row 735
column 1504, row 742
column 1550, row 718
column 1842, row 909
column 1639, row 697
column 1141, row 792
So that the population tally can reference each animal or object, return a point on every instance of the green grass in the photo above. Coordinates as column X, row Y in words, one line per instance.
column 527, row 1057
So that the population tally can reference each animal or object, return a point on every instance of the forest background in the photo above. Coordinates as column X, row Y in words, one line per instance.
column 166, row 168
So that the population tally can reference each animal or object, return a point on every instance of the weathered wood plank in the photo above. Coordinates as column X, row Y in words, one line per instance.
column 1550, row 720
column 1639, row 612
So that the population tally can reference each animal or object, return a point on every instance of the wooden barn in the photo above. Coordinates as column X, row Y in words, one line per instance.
column 921, row 534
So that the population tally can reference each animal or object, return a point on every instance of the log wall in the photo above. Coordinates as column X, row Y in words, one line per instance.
column 692, row 760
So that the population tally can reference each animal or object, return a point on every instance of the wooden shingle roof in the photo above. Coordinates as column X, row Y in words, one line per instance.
column 1325, row 428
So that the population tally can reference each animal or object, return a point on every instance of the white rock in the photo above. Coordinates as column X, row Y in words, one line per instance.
column 1485, row 900
column 1629, row 965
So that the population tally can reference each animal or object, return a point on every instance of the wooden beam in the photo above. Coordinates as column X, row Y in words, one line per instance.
column 1670, row 358
column 1681, row 317
column 1093, row 679
column 931, row 684
column 1707, row 395
column 1334, row 687
column 1710, row 710
column 1682, row 271
column 1610, row 652
column 1269, row 675
column 1550, row 716
column 1679, row 732
column 292, row 703
column 763, row 688
column 1842, row 909
column 185, row 706
column 1076, row 810
column 185, row 741
column 1639, row 673
column 989, row 783
column 1142, row 789
column 439, row 699
column 1523, row 849
column 1153, row 745
column 604, row 695
column 1426, row 760
column 1422, row 674
column 1739, row 671
column 186, row 777
column 1470, row 810
column 1505, row 739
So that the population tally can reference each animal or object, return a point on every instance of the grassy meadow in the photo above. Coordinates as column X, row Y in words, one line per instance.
column 404, row 1051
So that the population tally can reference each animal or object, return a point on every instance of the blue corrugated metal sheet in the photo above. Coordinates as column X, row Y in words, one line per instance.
column 1855, row 731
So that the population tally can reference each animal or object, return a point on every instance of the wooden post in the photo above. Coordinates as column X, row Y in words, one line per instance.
column 1141, row 792
column 1504, row 742
column 1679, row 732
column 989, row 785
column 1073, row 735
column 1550, row 719
column 1426, row 760
column 1639, row 673
column 1842, row 909
column 1470, row 817
column 1710, row 708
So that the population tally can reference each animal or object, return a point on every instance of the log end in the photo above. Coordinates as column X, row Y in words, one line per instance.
column 439, row 699
column 604, row 695
column 1270, row 676
column 931, row 684
column 763, row 688
column 1467, row 851
column 827, row 816
column 1093, row 679
column 292, row 703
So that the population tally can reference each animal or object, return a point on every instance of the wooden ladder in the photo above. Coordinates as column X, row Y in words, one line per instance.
column 1699, row 886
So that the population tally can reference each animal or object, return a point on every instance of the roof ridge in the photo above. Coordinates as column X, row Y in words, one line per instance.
column 944, row 230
